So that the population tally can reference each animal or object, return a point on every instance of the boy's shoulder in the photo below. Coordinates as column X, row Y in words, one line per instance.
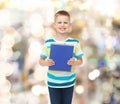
column 49, row 40
column 72, row 40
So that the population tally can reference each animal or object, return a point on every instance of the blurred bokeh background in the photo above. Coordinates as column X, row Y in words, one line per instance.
column 25, row 24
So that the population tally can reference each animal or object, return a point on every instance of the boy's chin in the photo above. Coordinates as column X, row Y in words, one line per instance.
column 63, row 32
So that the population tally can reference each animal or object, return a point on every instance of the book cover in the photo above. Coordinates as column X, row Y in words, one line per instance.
column 61, row 53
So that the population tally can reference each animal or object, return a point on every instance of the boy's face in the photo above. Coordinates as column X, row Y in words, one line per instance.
column 62, row 24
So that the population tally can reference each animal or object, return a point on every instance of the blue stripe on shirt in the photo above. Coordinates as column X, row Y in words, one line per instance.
column 61, row 77
column 61, row 84
column 78, row 56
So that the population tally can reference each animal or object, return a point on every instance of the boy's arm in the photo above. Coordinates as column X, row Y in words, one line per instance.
column 46, row 62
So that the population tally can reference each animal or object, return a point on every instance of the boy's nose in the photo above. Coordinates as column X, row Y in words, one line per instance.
column 62, row 24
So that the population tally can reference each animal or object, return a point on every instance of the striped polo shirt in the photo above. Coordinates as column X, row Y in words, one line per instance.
column 61, row 79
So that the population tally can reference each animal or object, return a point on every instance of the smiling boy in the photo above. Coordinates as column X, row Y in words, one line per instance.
column 61, row 83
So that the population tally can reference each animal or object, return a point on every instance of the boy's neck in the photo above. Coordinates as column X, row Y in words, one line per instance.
column 61, row 37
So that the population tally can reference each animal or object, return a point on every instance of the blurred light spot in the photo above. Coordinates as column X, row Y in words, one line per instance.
column 86, row 5
column 5, row 54
column 40, row 73
column 4, row 101
column 94, row 74
column 35, row 48
column 108, row 8
column 110, row 42
column 36, row 24
column 112, row 66
column 79, row 89
column 2, row 77
column 38, row 89
column 2, row 0
column 88, row 51
column 8, row 41
column 6, row 68
column 5, row 86
column 5, row 18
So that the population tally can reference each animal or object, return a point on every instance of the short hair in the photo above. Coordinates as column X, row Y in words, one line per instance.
column 62, row 12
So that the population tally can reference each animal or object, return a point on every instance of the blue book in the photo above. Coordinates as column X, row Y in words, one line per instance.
column 61, row 53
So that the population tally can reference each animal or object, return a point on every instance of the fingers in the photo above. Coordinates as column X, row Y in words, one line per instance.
column 50, row 62
column 71, row 61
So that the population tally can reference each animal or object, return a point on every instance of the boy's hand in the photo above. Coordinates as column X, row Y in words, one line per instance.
column 74, row 61
column 46, row 62
column 71, row 61
column 49, row 62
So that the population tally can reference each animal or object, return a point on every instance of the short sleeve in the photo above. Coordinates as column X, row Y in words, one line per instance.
column 46, row 48
column 78, row 51
column 44, row 53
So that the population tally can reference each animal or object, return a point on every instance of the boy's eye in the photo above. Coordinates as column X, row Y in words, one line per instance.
column 65, row 22
column 59, row 22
